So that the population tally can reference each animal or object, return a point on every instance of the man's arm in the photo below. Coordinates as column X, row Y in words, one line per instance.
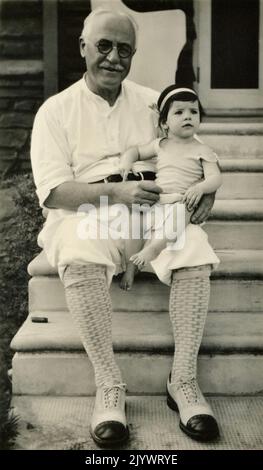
column 70, row 195
column 54, row 178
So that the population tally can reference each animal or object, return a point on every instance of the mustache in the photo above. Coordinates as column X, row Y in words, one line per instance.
column 115, row 68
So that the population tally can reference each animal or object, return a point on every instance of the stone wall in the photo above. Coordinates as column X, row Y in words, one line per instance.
column 21, row 79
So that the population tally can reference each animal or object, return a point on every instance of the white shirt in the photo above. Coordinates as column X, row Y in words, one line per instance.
column 77, row 136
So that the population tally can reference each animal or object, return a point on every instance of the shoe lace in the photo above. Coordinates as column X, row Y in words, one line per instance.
column 111, row 394
column 190, row 391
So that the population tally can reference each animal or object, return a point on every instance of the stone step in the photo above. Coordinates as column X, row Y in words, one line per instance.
column 234, row 115
column 235, row 235
column 71, row 373
column 231, row 128
column 242, row 185
column 233, row 146
column 241, row 165
column 233, row 139
column 236, row 285
column 47, row 293
column 51, row 360
column 225, row 332
column 237, row 209
column 244, row 157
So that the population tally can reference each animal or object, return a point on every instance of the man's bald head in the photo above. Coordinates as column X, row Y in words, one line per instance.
column 99, row 14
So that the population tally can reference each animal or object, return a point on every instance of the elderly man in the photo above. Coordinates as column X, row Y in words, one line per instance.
column 77, row 138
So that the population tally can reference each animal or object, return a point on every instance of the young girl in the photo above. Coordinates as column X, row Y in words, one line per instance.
column 186, row 169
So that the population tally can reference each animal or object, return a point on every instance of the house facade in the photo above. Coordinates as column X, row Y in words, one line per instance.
column 214, row 45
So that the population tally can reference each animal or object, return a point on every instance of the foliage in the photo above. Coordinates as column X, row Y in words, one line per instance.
column 18, row 247
column 8, row 425
column 19, row 235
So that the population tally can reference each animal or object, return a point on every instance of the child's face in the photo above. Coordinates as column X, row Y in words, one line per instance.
column 183, row 119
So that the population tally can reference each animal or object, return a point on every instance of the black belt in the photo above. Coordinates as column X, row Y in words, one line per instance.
column 117, row 178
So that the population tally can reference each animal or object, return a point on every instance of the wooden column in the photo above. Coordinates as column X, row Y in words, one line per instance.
column 50, row 46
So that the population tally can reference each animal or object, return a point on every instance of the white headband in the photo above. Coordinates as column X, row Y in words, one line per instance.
column 175, row 92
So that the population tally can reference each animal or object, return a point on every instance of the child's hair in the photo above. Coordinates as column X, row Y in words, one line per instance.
column 176, row 93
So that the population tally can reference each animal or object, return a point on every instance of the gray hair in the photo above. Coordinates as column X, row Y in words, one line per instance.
column 104, row 11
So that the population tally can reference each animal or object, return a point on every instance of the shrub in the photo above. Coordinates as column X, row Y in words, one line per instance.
column 18, row 247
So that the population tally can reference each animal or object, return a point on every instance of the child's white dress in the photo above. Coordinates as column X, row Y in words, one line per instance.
column 175, row 175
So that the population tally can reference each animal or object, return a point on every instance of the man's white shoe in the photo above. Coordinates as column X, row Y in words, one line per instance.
column 196, row 416
column 108, row 423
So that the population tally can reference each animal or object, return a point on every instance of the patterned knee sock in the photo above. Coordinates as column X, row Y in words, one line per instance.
column 189, row 300
column 90, row 305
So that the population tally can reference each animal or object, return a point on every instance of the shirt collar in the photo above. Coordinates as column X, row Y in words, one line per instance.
column 98, row 98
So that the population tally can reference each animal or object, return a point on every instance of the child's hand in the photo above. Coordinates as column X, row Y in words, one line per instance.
column 125, row 166
column 192, row 196
column 127, row 159
column 124, row 173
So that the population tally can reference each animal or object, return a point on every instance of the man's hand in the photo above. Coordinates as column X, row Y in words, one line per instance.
column 136, row 192
column 203, row 210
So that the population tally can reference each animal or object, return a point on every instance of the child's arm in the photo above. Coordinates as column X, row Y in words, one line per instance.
column 127, row 159
column 212, row 181
column 133, row 154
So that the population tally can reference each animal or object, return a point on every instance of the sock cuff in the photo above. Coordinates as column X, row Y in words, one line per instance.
column 79, row 273
column 192, row 272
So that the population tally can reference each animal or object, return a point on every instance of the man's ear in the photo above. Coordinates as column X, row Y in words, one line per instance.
column 82, row 47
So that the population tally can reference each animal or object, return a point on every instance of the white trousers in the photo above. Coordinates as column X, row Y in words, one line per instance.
column 68, row 247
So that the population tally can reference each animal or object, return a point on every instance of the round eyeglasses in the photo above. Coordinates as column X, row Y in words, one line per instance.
column 105, row 46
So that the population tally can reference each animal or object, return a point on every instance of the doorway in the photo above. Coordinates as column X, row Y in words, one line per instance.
column 229, row 60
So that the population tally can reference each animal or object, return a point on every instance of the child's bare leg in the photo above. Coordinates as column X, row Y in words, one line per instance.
column 154, row 246
column 149, row 252
column 131, row 246
column 131, row 269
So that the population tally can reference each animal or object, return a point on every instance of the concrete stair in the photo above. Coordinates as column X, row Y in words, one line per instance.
column 50, row 359
column 233, row 140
